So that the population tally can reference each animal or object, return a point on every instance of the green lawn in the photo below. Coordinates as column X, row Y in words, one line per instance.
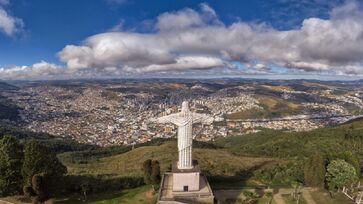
column 141, row 195
column 237, row 196
column 323, row 197
column 289, row 199
column 264, row 200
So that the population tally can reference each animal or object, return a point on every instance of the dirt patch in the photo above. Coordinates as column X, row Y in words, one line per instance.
column 149, row 194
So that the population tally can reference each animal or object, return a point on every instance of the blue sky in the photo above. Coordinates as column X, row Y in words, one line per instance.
column 65, row 37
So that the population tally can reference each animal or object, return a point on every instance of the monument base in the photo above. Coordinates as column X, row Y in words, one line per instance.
column 186, row 180
column 185, row 186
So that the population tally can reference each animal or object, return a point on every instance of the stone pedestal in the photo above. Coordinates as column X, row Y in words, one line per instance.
column 185, row 186
column 186, row 180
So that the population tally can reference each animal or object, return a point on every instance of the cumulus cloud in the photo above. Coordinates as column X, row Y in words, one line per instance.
column 196, row 39
column 8, row 23
column 187, row 18
column 179, row 20
column 185, row 63
column 38, row 70
column 334, row 44
column 260, row 67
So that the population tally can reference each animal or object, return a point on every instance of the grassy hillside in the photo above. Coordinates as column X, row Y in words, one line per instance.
column 141, row 195
column 57, row 144
column 231, row 161
column 273, row 158
column 213, row 161
column 347, row 137
column 272, row 107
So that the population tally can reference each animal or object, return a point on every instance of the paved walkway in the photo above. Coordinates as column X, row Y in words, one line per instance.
column 306, row 194
column 5, row 202
column 278, row 199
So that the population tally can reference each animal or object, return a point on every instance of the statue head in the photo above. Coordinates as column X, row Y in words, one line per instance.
column 185, row 106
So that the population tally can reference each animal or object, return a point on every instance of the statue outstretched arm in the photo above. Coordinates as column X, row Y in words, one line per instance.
column 173, row 118
column 202, row 118
column 166, row 119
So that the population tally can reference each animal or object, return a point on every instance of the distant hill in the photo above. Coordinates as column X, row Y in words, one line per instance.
column 8, row 110
column 273, row 107
column 5, row 86
column 273, row 143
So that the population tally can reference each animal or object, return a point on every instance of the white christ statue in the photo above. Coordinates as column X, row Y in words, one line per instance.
column 185, row 120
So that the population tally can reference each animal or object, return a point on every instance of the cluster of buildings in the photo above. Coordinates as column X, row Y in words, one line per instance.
column 111, row 114
column 326, row 109
column 350, row 100
column 228, row 105
column 248, row 126
column 97, row 116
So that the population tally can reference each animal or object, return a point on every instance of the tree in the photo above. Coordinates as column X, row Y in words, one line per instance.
column 147, row 169
column 155, row 172
column 40, row 160
column 314, row 170
column 151, row 169
column 11, row 156
column 339, row 174
column 85, row 188
column 352, row 159
column 28, row 191
column 39, row 188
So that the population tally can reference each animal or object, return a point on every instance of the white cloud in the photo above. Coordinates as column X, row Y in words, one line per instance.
column 184, row 63
column 187, row 18
column 188, row 39
column 331, row 45
column 207, row 10
column 260, row 67
column 8, row 23
column 38, row 70
column 179, row 20
column 116, row 49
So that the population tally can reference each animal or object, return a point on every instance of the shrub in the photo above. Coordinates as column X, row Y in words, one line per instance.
column 340, row 174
